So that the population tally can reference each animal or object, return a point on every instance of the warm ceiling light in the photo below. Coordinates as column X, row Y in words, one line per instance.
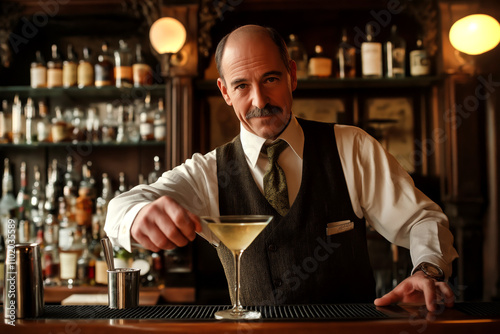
column 167, row 35
column 475, row 34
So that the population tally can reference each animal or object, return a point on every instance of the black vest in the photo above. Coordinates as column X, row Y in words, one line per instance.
column 293, row 261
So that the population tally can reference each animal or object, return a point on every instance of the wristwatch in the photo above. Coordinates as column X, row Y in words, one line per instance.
column 431, row 270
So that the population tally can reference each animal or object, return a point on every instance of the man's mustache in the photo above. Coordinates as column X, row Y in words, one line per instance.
column 268, row 110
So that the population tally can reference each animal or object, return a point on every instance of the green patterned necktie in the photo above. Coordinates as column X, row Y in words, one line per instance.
column 275, row 189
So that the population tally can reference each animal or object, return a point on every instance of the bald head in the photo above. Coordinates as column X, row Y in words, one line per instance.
column 251, row 34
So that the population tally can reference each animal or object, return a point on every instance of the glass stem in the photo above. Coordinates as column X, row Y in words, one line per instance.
column 237, row 305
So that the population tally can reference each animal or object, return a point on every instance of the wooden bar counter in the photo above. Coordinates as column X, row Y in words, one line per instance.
column 401, row 320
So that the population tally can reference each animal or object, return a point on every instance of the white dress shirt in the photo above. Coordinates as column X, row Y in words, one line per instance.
column 379, row 188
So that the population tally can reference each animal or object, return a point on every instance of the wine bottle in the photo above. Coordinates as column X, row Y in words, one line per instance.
column 346, row 58
column 320, row 66
column 54, row 69
column 371, row 55
column 395, row 49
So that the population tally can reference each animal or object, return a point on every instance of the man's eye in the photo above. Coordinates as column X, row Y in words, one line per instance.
column 272, row 79
column 242, row 86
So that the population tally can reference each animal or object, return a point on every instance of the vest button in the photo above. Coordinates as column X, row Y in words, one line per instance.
column 278, row 282
column 272, row 248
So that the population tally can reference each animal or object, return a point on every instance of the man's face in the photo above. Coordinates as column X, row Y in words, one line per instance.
column 257, row 84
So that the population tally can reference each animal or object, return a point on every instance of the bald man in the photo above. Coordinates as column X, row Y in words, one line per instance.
column 338, row 179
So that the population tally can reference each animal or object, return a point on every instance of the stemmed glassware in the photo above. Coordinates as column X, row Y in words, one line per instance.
column 237, row 233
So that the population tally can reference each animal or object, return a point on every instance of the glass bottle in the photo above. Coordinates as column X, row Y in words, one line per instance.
column 84, row 206
column 142, row 72
column 70, row 188
column 297, row 52
column 146, row 119
column 95, row 247
column 159, row 122
column 123, row 65
column 36, row 199
column 320, row 65
column 53, row 189
column 395, row 51
column 371, row 55
column 18, row 122
column 29, row 112
column 59, row 127
column 26, row 228
column 107, row 193
column 122, row 187
column 104, row 68
column 69, row 248
column 6, row 125
column 121, row 132
column 420, row 63
column 43, row 126
column 92, row 126
column 142, row 261
column 85, row 70
column 38, row 72
column 109, row 125
column 133, row 126
column 85, row 272
column 346, row 58
column 156, row 173
column 54, row 69
column 70, row 68
column 78, row 126
column 8, row 204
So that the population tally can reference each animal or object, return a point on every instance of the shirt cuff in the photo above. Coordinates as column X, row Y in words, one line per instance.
column 435, row 260
column 123, row 237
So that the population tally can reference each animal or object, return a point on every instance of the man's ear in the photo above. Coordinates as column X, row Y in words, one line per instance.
column 223, row 91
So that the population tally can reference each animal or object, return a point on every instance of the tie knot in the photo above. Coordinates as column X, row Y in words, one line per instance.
column 275, row 149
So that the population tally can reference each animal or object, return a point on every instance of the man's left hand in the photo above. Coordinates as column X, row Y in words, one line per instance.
column 417, row 289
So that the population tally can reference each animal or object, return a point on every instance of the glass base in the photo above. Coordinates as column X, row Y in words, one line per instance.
column 233, row 314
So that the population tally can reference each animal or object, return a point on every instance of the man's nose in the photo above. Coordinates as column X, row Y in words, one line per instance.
column 259, row 98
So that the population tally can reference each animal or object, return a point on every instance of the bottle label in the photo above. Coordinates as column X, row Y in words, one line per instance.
column 101, row 272
column 419, row 63
column 68, row 262
column 38, row 77
column 146, row 129
column 142, row 75
column 69, row 75
column 85, row 75
column 123, row 74
column 320, row 67
column 371, row 59
column 159, row 132
column 54, row 77
column 103, row 75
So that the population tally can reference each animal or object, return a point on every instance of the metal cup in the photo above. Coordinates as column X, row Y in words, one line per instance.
column 123, row 288
column 23, row 289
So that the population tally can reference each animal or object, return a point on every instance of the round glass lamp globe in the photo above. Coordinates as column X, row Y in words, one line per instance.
column 475, row 34
column 167, row 35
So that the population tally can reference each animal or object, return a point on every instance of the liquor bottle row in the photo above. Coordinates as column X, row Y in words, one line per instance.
column 106, row 123
column 118, row 68
column 378, row 58
column 66, row 217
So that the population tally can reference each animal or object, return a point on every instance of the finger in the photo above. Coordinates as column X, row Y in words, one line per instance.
column 171, row 232
column 186, row 224
column 447, row 293
column 429, row 290
column 389, row 298
column 196, row 221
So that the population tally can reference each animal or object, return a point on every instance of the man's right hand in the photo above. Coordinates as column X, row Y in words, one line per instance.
column 164, row 224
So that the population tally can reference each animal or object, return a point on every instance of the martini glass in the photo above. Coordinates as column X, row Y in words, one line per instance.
column 237, row 233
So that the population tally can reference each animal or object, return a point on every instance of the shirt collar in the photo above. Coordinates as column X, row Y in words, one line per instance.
column 252, row 143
